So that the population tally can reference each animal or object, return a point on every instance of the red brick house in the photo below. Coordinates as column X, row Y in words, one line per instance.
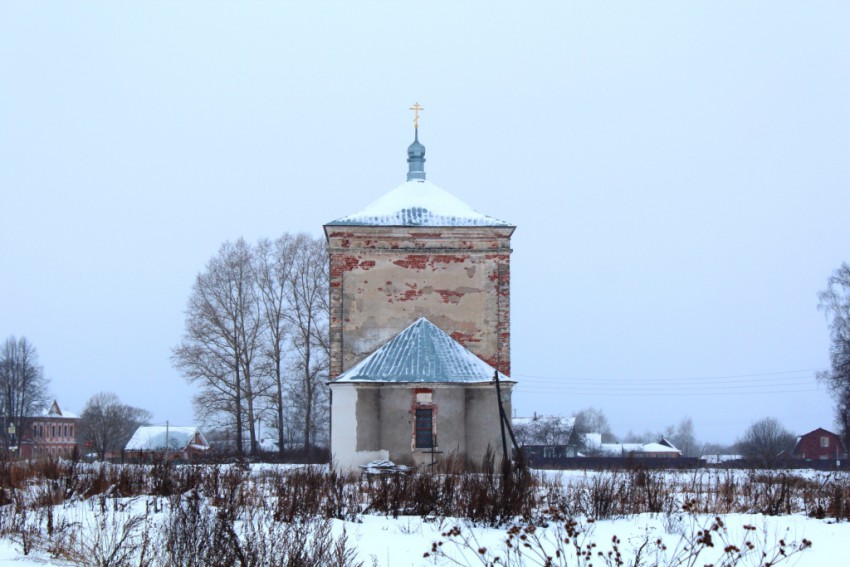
column 819, row 444
column 51, row 435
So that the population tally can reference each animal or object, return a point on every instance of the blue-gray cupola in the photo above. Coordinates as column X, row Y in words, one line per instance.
column 415, row 158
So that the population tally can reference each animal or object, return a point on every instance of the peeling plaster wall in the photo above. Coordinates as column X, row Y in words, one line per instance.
column 482, row 425
column 384, row 278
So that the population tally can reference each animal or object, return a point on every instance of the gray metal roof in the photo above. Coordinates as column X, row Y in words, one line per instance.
column 421, row 353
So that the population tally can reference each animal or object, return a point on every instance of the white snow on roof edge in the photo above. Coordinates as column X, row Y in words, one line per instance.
column 419, row 203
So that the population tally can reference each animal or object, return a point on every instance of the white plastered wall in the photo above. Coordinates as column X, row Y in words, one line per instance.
column 344, row 452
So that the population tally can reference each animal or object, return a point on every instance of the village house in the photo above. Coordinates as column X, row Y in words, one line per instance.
column 50, row 435
column 166, row 442
column 419, row 326
column 661, row 449
column 819, row 445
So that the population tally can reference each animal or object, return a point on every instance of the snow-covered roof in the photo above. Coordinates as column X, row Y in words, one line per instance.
column 418, row 203
column 158, row 438
column 54, row 411
column 658, row 448
column 421, row 353
column 565, row 422
column 617, row 449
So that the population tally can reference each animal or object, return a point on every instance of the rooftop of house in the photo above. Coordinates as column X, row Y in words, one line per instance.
column 616, row 449
column 55, row 411
column 159, row 438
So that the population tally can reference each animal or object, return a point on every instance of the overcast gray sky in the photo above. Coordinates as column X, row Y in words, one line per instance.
column 678, row 173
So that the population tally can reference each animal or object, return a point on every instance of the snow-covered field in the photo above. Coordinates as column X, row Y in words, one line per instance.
column 403, row 541
column 88, row 530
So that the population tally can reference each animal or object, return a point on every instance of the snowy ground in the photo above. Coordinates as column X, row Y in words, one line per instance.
column 382, row 541
column 402, row 542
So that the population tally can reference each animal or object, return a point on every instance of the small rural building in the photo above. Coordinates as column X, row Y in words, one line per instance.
column 537, row 453
column 819, row 444
column 662, row 449
column 50, row 435
column 172, row 443
column 419, row 324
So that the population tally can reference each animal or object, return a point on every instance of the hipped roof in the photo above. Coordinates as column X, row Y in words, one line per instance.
column 418, row 203
column 421, row 353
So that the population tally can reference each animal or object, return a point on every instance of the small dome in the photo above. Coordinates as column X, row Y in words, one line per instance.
column 416, row 149
column 415, row 159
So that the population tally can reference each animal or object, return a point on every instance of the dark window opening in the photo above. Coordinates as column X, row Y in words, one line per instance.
column 424, row 428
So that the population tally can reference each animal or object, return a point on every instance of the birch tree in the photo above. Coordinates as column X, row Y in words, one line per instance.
column 835, row 303
column 220, row 346
column 273, row 266
column 308, row 314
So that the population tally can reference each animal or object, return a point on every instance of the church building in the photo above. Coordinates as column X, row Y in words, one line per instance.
column 419, row 325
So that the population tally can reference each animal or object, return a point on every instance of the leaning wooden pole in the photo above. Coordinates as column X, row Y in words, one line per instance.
column 501, row 416
column 517, row 448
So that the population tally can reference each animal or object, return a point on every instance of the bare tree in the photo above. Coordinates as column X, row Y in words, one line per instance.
column 273, row 265
column 544, row 430
column 23, row 387
column 834, row 301
column 308, row 314
column 764, row 442
column 682, row 436
column 592, row 420
column 222, row 341
column 106, row 424
column 256, row 338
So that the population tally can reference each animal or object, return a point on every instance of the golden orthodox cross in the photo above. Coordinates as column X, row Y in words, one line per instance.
column 416, row 108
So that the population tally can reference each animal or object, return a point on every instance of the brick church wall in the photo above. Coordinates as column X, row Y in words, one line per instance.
column 382, row 279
